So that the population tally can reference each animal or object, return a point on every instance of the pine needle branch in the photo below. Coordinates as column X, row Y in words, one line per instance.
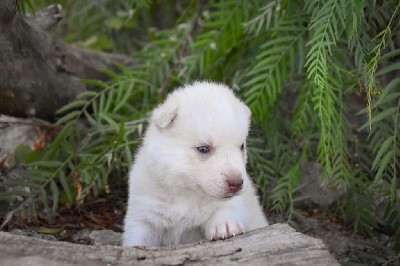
column 372, row 65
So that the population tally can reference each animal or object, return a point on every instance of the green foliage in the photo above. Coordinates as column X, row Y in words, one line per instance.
column 279, row 57
column 373, row 63
column 304, row 68
column 81, row 160
column 25, row 6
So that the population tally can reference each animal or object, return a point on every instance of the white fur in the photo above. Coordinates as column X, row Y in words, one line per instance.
column 178, row 195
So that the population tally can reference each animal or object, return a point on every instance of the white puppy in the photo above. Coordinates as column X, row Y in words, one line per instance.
column 189, row 180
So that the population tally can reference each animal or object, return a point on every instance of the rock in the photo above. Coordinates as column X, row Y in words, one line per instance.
column 15, row 131
column 278, row 244
column 82, row 236
column 311, row 188
column 105, row 237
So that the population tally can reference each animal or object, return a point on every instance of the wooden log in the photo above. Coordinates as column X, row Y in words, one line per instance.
column 278, row 244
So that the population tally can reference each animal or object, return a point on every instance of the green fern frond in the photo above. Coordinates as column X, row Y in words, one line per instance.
column 360, row 215
column 221, row 31
column 373, row 62
column 25, row 6
column 354, row 19
column 384, row 124
column 274, row 62
column 385, row 138
column 37, row 186
column 303, row 118
column 263, row 20
column 282, row 194
column 263, row 171
column 325, row 101
column 327, row 21
column 325, row 28
column 84, row 158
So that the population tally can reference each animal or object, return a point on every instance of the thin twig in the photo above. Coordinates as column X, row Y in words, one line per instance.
column 34, row 122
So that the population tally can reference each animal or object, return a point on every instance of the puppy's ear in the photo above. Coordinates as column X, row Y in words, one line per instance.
column 245, row 111
column 165, row 114
column 245, row 114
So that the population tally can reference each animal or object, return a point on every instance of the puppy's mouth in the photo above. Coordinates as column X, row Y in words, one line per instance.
column 223, row 194
column 230, row 195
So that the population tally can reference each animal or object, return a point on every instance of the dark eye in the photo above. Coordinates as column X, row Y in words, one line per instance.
column 242, row 146
column 203, row 149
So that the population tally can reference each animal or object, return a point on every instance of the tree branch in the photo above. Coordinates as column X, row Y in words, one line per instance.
column 39, row 74
column 48, row 17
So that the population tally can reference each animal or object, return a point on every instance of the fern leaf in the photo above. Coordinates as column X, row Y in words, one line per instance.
column 263, row 20
column 71, row 106
column 268, row 75
column 65, row 186
column 95, row 82
column 43, row 197
column 55, row 195
column 86, row 94
column 49, row 164
column 21, row 183
column 6, row 195
column 68, row 118
column 373, row 63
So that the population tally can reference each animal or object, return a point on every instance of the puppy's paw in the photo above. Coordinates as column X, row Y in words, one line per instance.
column 222, row 229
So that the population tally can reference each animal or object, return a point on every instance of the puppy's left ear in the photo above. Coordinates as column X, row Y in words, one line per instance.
column 245, row 110
column 165, row 114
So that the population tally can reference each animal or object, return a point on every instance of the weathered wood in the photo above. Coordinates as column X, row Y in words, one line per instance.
column 273, row 245
column 38, row 73
column 47, row 17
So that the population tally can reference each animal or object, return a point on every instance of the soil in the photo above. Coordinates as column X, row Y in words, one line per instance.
column 74, row 223
column 348, row 247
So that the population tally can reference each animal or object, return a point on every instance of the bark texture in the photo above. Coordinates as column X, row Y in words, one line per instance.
column 39, row 74
column 278, row 244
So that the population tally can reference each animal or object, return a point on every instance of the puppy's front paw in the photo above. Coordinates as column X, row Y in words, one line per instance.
column 225, row 228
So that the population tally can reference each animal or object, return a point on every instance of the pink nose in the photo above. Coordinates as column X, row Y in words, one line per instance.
column 234, row 185
column 234, row 182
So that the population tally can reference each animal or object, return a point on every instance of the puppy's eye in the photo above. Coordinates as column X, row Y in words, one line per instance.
column 203, row 149
column 242, row 147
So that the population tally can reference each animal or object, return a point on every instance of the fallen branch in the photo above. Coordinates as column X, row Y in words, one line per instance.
column 272, row 245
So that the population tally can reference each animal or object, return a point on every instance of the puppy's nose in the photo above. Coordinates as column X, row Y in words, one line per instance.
column 234, row 182
column 234, row 185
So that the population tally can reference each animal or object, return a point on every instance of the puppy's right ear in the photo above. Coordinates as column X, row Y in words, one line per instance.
column 165, row 114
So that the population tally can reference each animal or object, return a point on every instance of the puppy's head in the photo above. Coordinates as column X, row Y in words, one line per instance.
column 198, row 137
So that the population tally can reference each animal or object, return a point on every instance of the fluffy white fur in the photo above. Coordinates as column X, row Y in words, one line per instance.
column 176, row 193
